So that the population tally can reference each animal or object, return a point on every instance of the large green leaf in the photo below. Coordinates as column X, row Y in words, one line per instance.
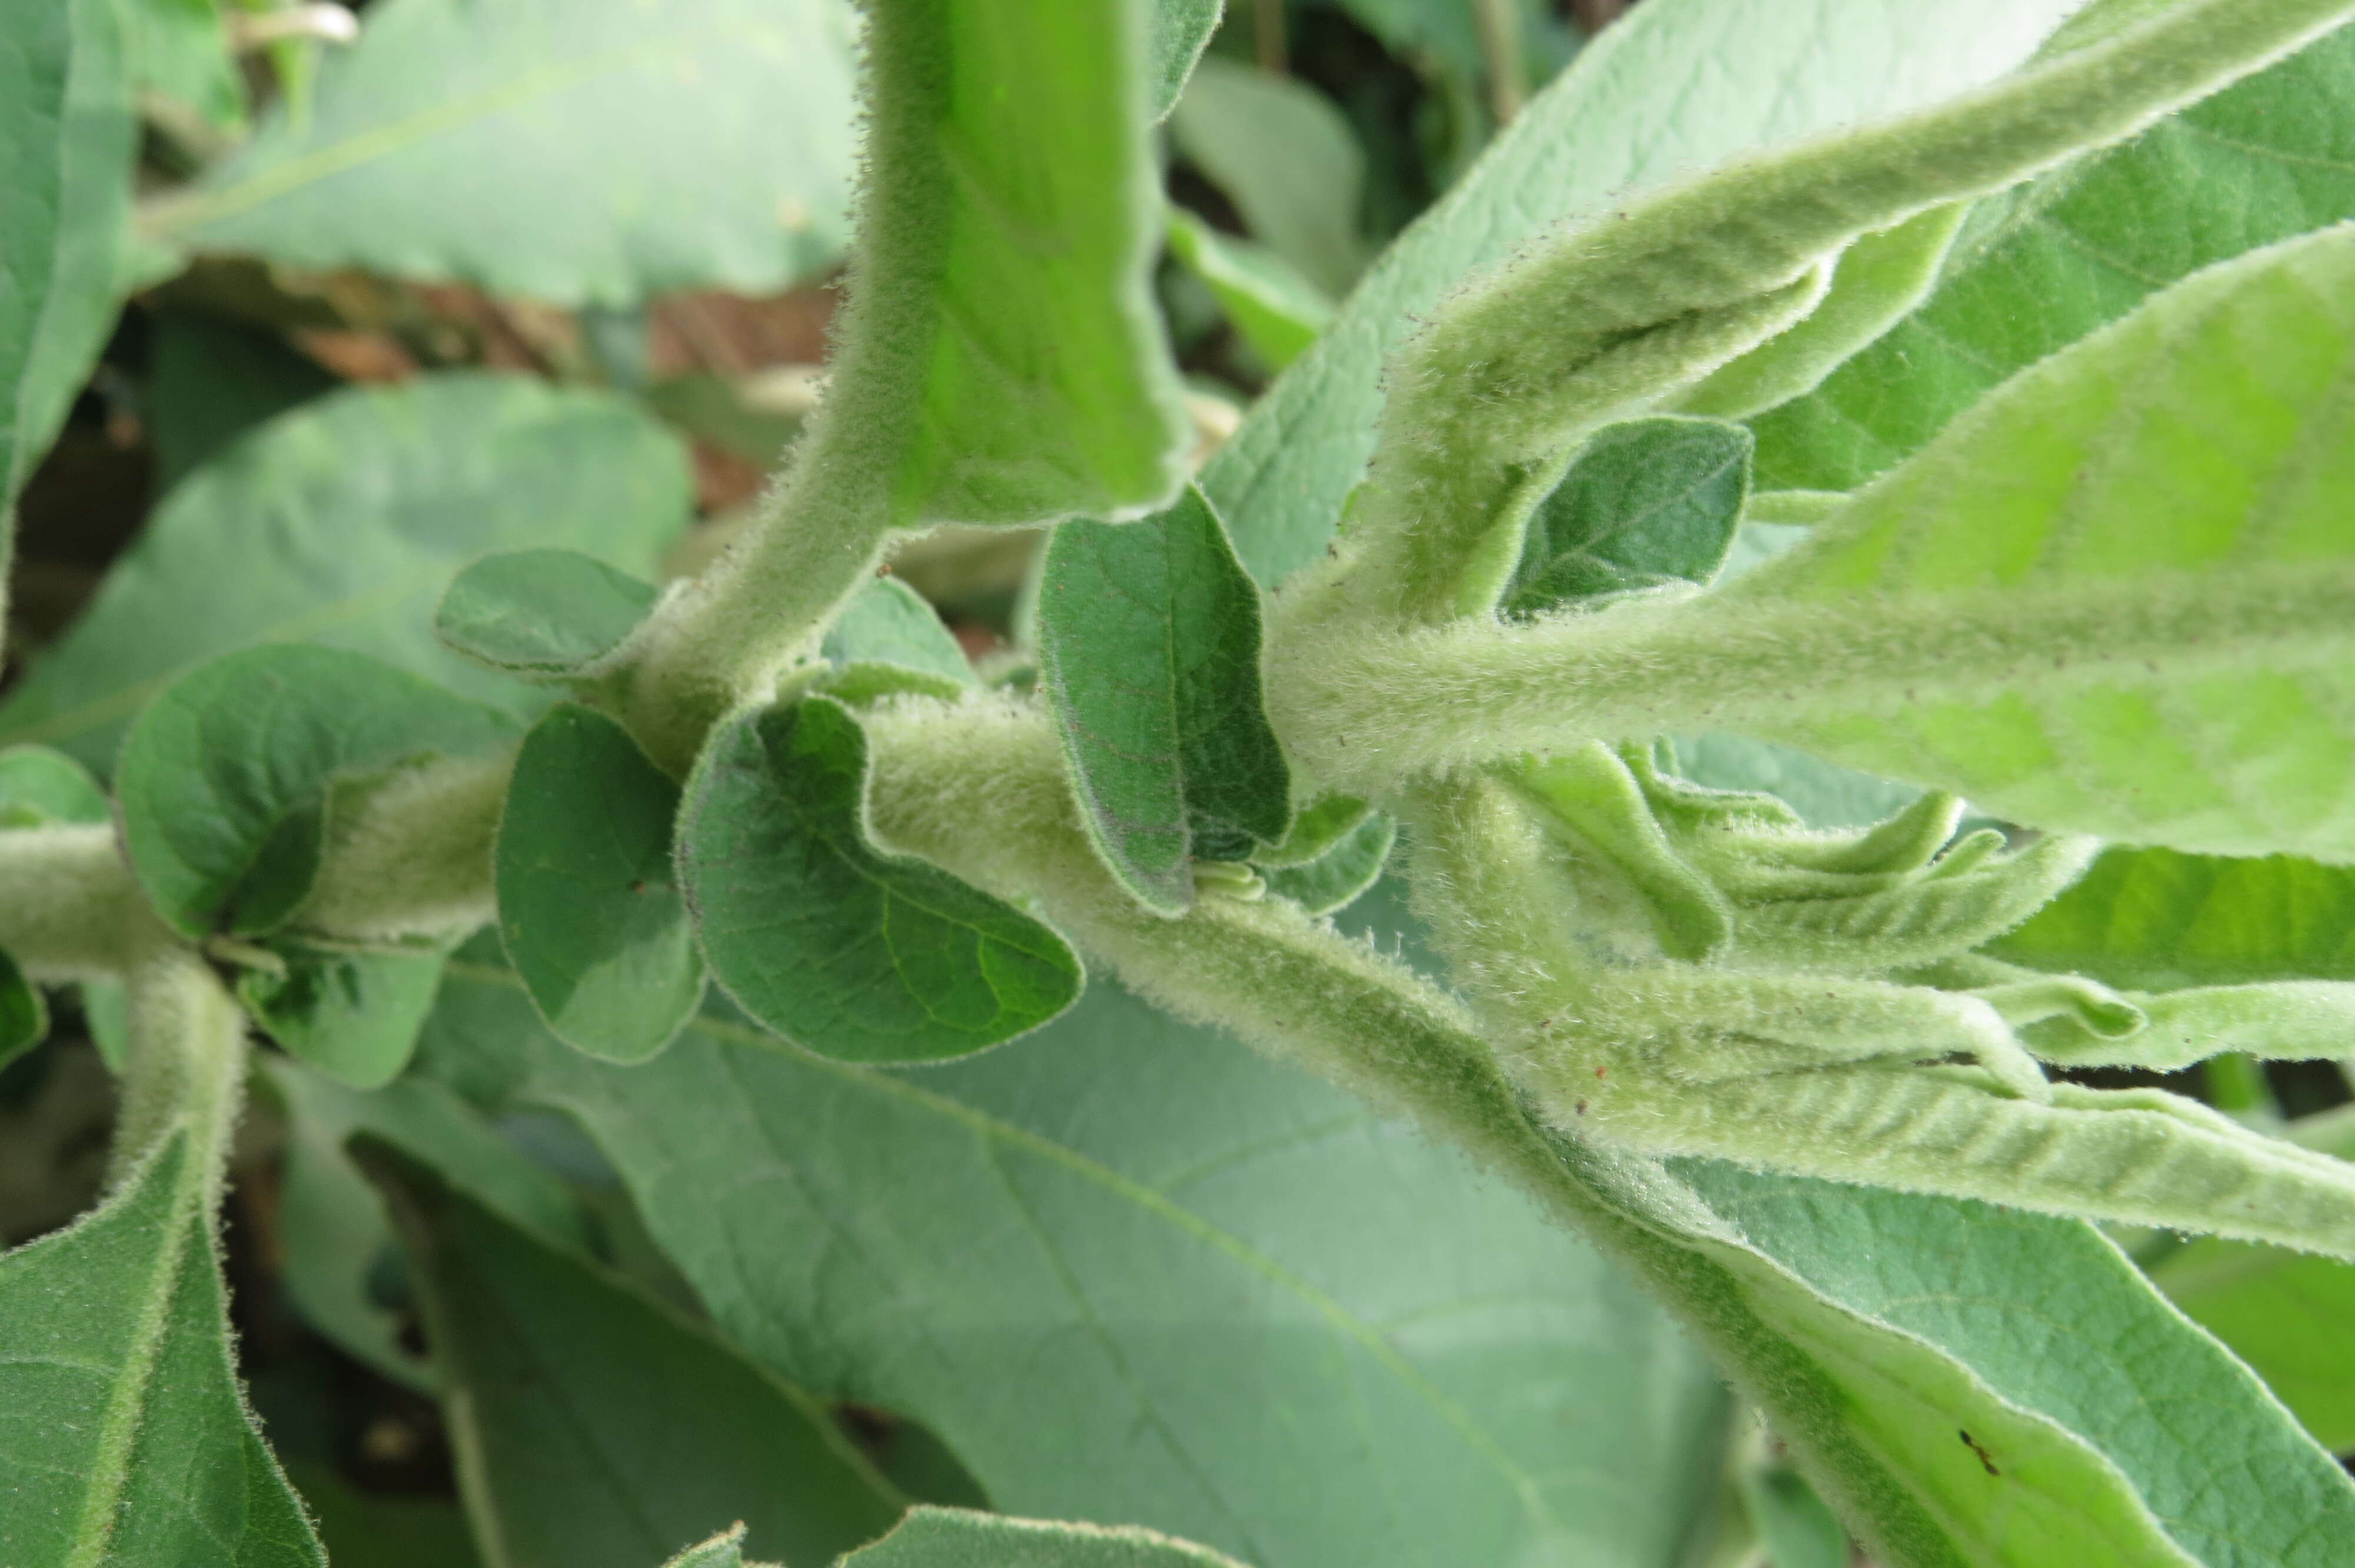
column 1149, row 652
column 225, row 778
column 841, row 948
column 581, row 152
column 2156, row 920
column 2144, row 539
column 1132, row 1272
column 340, row 523
column 955, row 1537
column 67, row 140
column 1623, row 119
column 126, row 1441
column 2039, row 267
column 211, row 381
column 595, row 1427
column 588, row 906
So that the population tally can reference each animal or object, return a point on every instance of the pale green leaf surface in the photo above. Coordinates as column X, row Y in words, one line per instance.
column 2191, row 459
column 1130, row 1271
column 888, row 622
column 595, row 1427
column 1149, row 652
column 333, row 1222
column 2285, row 1314
column 540, row 614
column 1181, row 30
column 123, row 1437
column 223, row 780
column 580, row 151
column 2056, row 1323
column 590, row 910
column 1649, row 504
column 1278, row 312
column 341, row 524
column 39, row 786
column 1301, row 202
column 2037, row 269
column 2156, row 920
column 353, row 1016
column 1627, row 117
column 211, row 381
column 24, row 1016
column 841, row 948
column 67, row 140
column 1348, row 868
column 955, row 1537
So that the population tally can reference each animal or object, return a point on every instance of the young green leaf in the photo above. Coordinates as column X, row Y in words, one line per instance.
column 1278, row 312
column 725, row 1550
column 1117, row 1172
column 1618, row 124
column 592, row 152
column 24, row 1016
column 588, row 906
column 1149, row 651
column 1648, row 504
column 955, row 1537
column 1181, row 30
column 843, row 949
column 340, row 523
column 888, row 639
column 224, row 780
column 2156, row 920
column 337, row 1241
column 1349, row 866
column 596, row 1426
column 2039, row 267
column 543, row 615
column 353, row 1016
column 1303, row 204
column 38, row 786
column 68, row 138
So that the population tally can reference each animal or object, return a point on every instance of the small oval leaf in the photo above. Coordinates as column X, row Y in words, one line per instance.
column 540, row 614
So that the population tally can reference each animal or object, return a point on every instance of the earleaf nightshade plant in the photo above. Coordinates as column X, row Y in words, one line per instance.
column 900, row 1005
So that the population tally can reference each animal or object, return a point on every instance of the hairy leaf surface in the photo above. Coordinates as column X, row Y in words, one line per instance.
column 955, row 1537
column 589, row 909
column 1181, row 30
column 1217, row 1266
column 596, row 1427
column 340, row 523
column 540, row 614
column 580, row 151
column 225, row 777
column 1648, row 504
column 841, row 948
column 1149, row 651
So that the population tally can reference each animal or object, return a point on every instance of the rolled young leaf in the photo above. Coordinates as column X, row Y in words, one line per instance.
column 1149, row 652
column 845, row 950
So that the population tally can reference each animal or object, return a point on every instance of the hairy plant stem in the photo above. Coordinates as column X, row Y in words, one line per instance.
column 69, row 909
column 186, row 1067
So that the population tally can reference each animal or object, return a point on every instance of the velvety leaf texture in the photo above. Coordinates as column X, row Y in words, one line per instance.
column 2039, row 267
column 597, row 1428
column 340, row 523
column 1219, row 1266
column 580, row 151
column 955, row 1538
column 540, row 614
column 588, row 906
column 842, row 948
column 1648, row 504
column 124, row 1438
column 224, row 778
column 1149, row 651
column 1181, row 29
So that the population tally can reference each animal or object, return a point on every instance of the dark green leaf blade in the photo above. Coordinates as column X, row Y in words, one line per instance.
column 126, row 1439
column 2156, row 919
column 2037, row 269
column 24, row 1016
column 353, row 1016
column 1220, row 1266
column 67, row 137
column 586, row 152
column 340, row 523
column 540, row 614
column 839, row 948
column 224, row 778
column 1647, row 504
column 955, row 1537
column 589, row 910
column 38, row 786
column 596, row 1427
column 1149, row 651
